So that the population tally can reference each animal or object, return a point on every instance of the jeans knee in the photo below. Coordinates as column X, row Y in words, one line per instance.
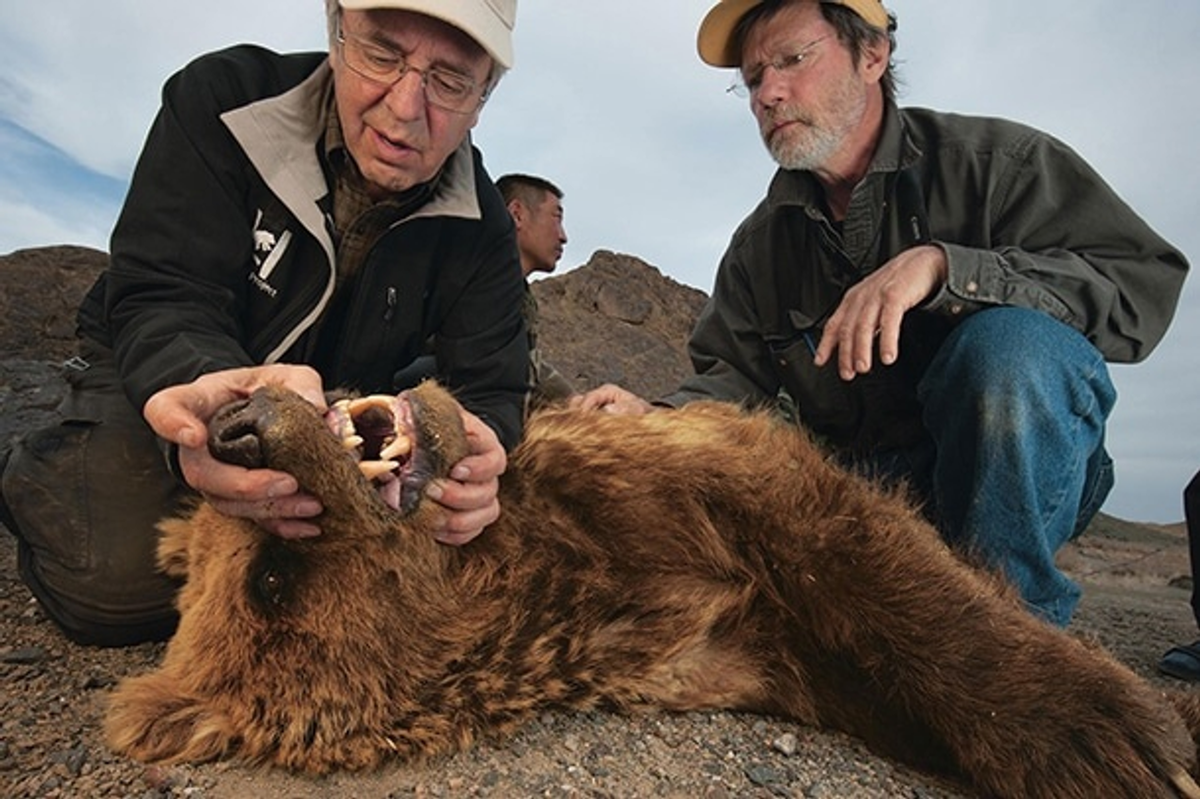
column 1019, row 362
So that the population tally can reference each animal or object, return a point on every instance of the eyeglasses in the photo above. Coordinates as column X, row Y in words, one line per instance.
column 748, row 85
column 445, row 89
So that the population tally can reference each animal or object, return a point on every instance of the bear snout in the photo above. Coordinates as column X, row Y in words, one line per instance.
column 235, row 431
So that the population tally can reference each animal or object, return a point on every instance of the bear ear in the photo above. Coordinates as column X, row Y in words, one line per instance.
column 150, row 720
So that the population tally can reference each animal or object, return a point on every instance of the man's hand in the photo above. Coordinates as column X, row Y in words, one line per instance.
column 470, row 495
column 611, row 399
column 876, row 307
column 272, row 499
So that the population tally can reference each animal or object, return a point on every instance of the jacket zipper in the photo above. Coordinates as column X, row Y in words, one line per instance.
column 391, row 304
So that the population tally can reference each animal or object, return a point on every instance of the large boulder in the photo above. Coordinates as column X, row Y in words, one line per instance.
column 617, row 319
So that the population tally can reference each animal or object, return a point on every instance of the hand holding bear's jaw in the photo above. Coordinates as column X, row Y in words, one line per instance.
column 464, row 472
column 419, row 444
column 180, row 415
column 377, row 432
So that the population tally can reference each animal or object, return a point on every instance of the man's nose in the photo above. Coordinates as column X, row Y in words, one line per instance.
column 773, row 87
column 406, row 97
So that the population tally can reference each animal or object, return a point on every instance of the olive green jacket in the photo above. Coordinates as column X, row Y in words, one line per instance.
column 1023, row 220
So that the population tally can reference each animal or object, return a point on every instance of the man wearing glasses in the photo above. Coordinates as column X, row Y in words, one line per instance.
column 933, row 296
column 306, row 219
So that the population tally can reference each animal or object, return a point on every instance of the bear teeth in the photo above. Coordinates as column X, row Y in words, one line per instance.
column 373, row 469
column 398, row 446
column 392, row 448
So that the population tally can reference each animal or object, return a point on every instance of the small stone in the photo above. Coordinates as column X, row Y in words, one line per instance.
column 786, row 744
column 95, row 681
column 25, row 655
column 159, row 779
column 762, row 775
column 75, row 760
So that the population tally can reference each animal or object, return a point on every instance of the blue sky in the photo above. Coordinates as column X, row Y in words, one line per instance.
column 609, row 101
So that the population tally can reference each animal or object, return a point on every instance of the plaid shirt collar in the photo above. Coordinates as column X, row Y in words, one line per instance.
column 359, row 221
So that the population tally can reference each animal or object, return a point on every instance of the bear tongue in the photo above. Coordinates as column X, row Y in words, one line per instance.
column 389, row 492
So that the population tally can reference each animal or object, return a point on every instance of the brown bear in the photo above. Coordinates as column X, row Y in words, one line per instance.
column 708, row 557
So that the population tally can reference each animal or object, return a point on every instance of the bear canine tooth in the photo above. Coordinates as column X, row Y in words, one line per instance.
column 400, row 445
column 373, row 469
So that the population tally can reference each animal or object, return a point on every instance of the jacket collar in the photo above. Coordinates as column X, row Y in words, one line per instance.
column 896, row 149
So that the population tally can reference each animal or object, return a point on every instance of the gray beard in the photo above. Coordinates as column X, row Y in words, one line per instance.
column 812, row 144
column 809, row 152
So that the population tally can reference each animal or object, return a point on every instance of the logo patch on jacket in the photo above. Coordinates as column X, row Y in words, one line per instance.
column 268, row 250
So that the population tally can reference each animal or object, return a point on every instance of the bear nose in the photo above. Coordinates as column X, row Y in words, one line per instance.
column 234, row 433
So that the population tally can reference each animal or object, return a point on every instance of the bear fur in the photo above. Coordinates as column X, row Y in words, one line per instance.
column 708, row 557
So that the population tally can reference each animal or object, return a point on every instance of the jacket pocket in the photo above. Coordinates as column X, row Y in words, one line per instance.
column 825, row 404
column 874, row 411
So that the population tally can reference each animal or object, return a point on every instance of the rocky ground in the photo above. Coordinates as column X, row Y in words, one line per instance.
column 614, row 319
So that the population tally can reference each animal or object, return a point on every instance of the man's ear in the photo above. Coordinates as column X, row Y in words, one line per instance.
column 874, row 61
column 517, row 210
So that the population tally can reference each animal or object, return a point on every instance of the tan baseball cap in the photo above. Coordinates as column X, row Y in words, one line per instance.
column 715, row 39
column 488, row 22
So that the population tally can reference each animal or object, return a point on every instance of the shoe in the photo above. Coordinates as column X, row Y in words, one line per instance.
column 1182, row 662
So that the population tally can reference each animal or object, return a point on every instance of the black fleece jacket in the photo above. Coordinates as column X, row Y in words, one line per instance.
column 223, row 255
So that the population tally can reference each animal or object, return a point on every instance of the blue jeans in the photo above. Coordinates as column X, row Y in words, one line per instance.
column 1015, row 404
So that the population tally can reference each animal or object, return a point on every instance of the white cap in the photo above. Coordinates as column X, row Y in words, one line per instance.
column 488, row 22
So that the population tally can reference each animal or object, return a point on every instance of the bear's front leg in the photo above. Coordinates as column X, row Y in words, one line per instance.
column 936, row 662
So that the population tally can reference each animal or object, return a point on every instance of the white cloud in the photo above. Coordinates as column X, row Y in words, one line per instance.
column 23, row 226
column 88, row 74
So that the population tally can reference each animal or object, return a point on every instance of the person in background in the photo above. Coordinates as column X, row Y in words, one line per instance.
column 537, row 211
column 934, row 295
column 307, row 219
column 1183, row 661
